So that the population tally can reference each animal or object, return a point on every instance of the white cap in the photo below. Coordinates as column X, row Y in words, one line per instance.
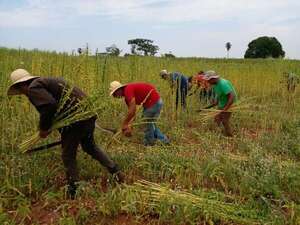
column 115, row 85
column 18, row 76
column 163, row 72
column 210, row 75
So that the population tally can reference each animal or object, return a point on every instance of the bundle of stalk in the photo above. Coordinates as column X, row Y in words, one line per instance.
column 208, row 207
column 240, row 106
column 69, row 111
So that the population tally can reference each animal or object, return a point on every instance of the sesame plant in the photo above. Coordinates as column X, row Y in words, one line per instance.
column 201, row 178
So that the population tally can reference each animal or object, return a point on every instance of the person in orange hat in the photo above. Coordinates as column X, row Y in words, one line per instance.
column 206, row 94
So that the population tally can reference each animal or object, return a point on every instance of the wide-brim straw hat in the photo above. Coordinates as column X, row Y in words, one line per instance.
column 210, row 75
column 18, row 76
column 114, row 86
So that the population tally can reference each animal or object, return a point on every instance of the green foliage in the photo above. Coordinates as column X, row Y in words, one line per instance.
column 169, row 55
column 143, row 45
column 113, row 50
column 264, row 47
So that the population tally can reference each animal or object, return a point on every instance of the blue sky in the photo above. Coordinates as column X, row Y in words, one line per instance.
column 184, row 27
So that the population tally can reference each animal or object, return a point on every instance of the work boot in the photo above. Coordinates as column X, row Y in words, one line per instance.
column 71, row 192
column 119, row 177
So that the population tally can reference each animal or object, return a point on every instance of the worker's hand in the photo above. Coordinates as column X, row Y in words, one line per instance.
column 127, row 131
column 44, row 133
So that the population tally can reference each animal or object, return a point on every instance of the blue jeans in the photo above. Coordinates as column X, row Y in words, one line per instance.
column 152, row 132
column 181, row 94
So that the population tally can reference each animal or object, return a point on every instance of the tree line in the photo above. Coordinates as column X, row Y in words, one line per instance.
column 262, row 47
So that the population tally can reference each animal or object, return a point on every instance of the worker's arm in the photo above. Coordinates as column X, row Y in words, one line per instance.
column 130, row 115
column 211, row 105
column 46, row 106
column 230, row 98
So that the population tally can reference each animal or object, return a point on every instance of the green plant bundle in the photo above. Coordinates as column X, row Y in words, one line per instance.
column 69, row 111
column 209, row 208
column 240, row 106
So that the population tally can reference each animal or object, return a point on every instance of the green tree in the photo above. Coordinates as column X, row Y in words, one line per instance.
column 168, row 55
column 113, row 50
column 145, row 46
column 264, row 47
column 228, row 47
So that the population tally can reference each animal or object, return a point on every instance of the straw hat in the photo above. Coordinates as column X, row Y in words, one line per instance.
column 210, row 75
column 163, row 72
column 18, row 76
column 115, row 85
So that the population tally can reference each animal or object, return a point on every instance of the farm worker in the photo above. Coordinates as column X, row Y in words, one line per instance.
column 206, row 94
column 225, row 97
column 180, row 83
column 292, row 80
column 45, row 94
column 140, row 94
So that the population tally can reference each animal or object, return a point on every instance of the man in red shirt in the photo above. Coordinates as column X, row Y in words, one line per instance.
column 140, row 94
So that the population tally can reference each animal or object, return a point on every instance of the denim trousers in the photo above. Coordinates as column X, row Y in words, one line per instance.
column 152, row 132
column 181, row 94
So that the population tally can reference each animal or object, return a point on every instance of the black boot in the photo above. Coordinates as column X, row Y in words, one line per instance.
column 118, row 175
column 71, row 192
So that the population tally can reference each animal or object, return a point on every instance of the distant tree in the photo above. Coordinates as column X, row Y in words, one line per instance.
column 87, row 49
column 264, row 47
column 228, row 47
column 102, row 54
column 113, row 50
column 169, row 55
column 145, row 46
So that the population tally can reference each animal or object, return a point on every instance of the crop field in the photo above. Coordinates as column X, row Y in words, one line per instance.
column 201, row 178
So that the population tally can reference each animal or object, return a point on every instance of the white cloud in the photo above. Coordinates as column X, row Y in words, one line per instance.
column 238, row 21
column 40, row 12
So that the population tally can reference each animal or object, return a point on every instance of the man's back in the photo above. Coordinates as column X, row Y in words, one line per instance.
column 45, row 94
column 143, row 93
column 180, row 79
column 222, row 89
column 44, row 90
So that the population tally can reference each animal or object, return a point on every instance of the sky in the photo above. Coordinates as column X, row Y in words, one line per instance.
column 187, row 28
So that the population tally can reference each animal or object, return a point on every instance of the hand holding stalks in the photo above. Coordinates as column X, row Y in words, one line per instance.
column 127, row 130
column 44, row 133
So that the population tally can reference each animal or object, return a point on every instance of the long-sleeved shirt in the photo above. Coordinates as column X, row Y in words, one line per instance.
column 179, row 80
column 45, row 93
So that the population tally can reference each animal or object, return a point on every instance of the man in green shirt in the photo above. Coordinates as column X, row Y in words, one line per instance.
column 225, row 97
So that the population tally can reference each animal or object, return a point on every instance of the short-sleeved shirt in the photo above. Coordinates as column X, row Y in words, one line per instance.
column 144, row 94
column 221, row 90
column 181, row 79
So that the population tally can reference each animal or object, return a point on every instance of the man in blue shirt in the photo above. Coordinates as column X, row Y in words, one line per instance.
column 180, row 83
